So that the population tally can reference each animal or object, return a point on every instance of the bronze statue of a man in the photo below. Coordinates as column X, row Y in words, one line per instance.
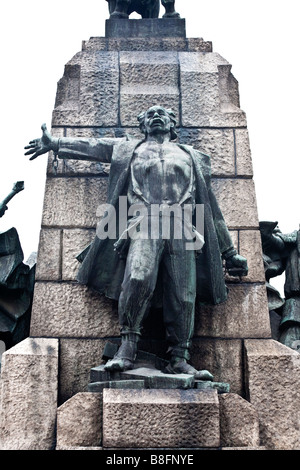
column 153, row 173
column 146, row 8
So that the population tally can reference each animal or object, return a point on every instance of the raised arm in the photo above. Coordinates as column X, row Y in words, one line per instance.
column 91, row 149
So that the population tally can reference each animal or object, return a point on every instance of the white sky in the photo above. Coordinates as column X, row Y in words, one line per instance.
column 260, row 38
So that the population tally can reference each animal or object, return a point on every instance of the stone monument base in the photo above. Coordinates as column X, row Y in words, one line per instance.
column 127, row 418
column 148, row 28
column 268, row 418
column 148, row 373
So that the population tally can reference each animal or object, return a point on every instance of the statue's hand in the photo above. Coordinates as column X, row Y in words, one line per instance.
column 43, row 145
column 236, row 265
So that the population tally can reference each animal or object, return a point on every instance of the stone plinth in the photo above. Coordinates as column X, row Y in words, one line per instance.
column 239, row 422
column 29, row 384
column 79, row 421
column 160, row 418
column 273, row 377
column 148, row 28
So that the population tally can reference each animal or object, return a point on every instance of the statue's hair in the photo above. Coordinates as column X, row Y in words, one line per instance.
column 170, row 112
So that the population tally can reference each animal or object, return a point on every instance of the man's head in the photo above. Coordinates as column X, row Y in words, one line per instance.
column 158, row 120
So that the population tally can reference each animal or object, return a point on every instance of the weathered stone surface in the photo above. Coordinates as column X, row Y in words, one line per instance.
column 243, row 153
column 135, row 99
column 73, row 202
column 49, row 255
column 198, row 45
column 147, row 79
column 154, row 68
column 209, row 92
column 100, row 386
column 160, row 418
column 273, row 380
column 217, row 143
column 197, row 62
column 74, row 241
column 148, row 28
column 239, row 422
column 29, row 377
column 77, row 448
column 87, row 94
column 237, row 201
column 79, row 421
column 149, row 44
column 250, row 247
column 222, row 357
column 245, row 314
column 72, row 310
column 99, row 88
column 77, row 357
column 245, row 448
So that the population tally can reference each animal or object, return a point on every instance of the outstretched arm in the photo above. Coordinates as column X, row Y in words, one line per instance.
column 72, row 148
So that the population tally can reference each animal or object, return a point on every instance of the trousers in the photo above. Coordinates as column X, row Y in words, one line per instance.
column 178, row 268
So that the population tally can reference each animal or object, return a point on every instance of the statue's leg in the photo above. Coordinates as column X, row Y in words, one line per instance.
column 152, row 10
column 111, row 6
column 170, row 9
column 179, row 305
column 137, row 290
column 121, row 9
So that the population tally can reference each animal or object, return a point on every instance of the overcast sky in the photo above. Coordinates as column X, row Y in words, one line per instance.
column 260, row 38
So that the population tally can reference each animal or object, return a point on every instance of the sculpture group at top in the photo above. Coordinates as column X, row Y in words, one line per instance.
column 146, row 8
column 154, row 184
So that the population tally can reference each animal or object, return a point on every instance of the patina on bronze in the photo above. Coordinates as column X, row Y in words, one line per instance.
column 146, row 8
column 17, row 187
column 153, row 171
column 281, row 254
column 16, row 282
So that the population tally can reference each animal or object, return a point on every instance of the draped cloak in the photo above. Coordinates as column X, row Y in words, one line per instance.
column 102, row 268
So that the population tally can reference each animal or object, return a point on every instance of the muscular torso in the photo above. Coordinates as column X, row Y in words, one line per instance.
column 161, row 174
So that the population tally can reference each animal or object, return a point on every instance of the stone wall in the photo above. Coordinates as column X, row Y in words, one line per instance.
column 104, row 88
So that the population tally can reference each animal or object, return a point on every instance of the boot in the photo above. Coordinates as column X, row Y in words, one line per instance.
column 121, row 9
column 179, row 365
column 126, row 355
column 170, row 9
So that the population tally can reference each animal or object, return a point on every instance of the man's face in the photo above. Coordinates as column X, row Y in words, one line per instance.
column 157, row 120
